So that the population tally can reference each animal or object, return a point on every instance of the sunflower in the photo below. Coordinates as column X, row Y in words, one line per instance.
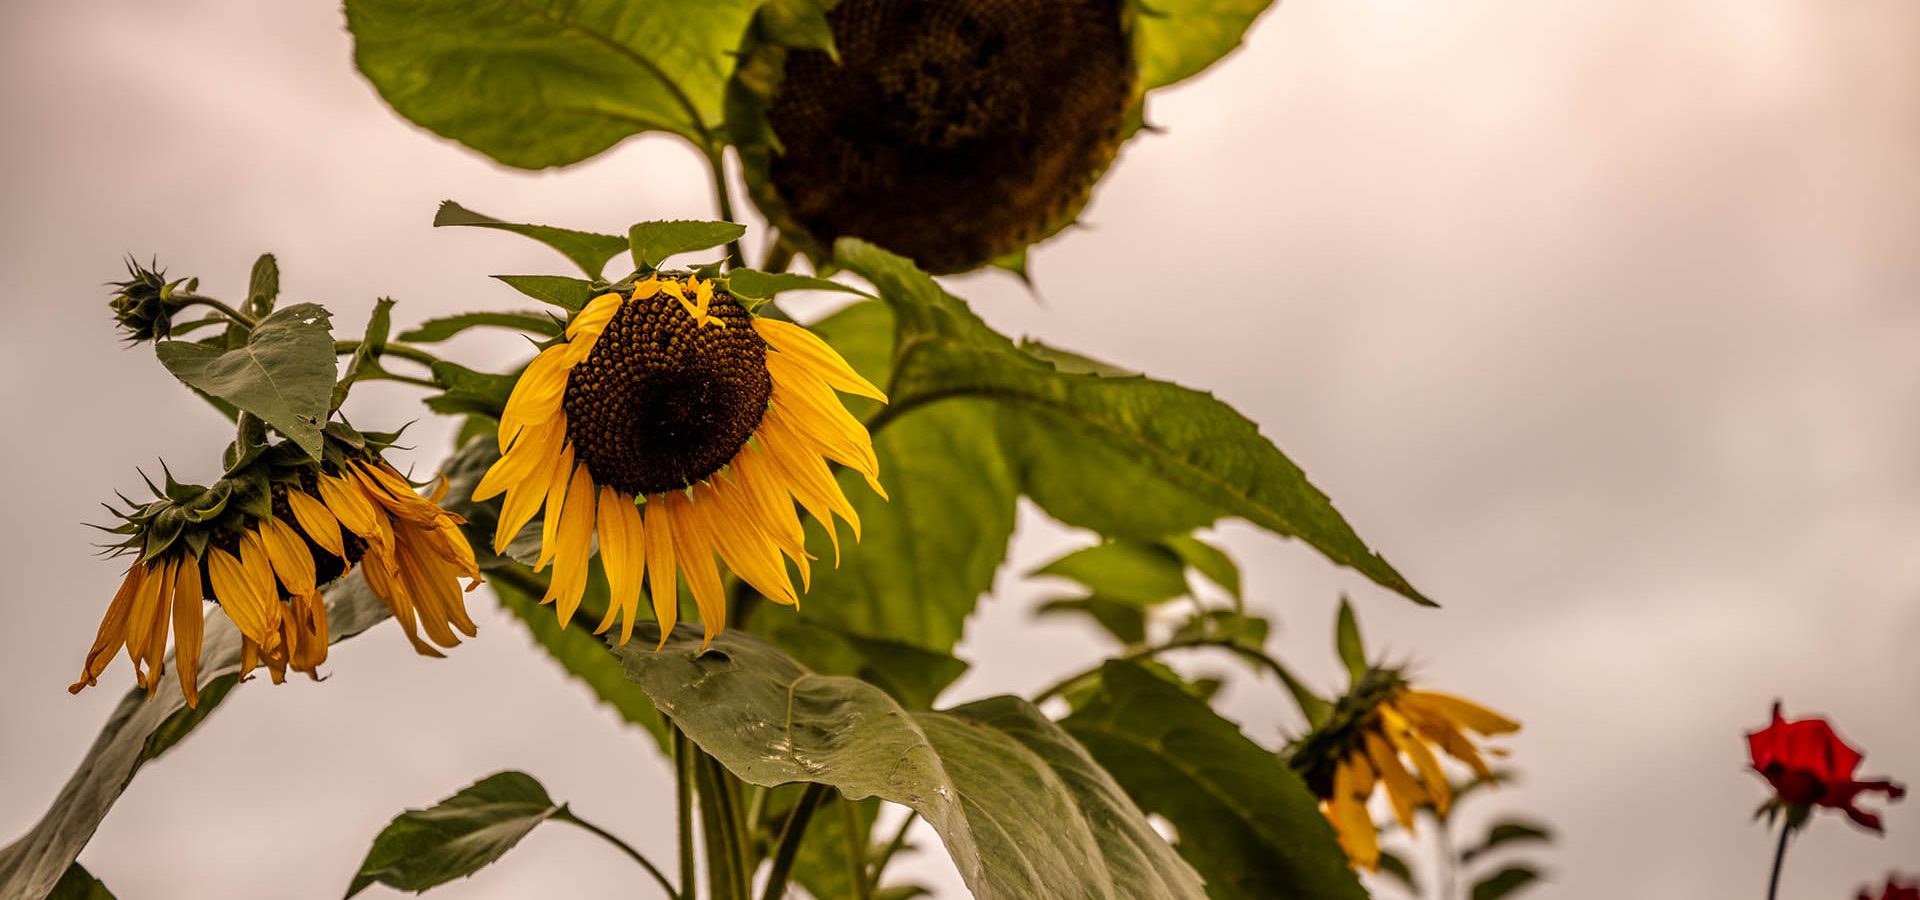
column 954, row 133
column 675, row 425
column 1372, row 736
column 262, row 543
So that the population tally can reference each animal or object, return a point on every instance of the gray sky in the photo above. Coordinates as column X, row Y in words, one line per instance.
column 1597, row 319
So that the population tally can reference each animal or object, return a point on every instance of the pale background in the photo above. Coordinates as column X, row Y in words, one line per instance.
column 1597, row 318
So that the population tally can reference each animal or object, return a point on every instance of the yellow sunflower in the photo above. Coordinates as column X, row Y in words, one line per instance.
column 1375, row 747
column 676, row 425
column 266, row 573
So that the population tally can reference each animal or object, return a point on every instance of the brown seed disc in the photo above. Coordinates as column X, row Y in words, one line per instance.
column 953, row 131
column 663, row 401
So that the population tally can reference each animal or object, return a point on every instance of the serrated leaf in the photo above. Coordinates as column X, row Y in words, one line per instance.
column 1177, row 39
column 1135, row 572
column 538, row 83
column 283, row 374
column 753, row 284
column 470, row 392
column 1346, row 639
column 435, row 330
column 1510, row 831
column 1022, row 809
column 426, row 848
column 1505, row 882
column 585, row 249
column 652, row 243
column 1246, row 822
column 1127, row 457
column 569, row 294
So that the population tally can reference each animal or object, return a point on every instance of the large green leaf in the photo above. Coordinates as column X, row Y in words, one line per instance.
column 585, row 249
column 1124, row 456
column 1246, row 822
column 1022, row 809
column 139, row 730
column 538, row 83
column 426, row 848
column 283, row 374
column 1177, row 39
column 914, row 675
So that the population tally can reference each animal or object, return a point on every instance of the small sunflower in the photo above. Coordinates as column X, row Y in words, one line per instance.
column 1384, row 733
column 675, row 425
column 954, row 133
column 262, row 543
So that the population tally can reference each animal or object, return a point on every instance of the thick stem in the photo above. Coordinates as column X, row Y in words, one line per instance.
column 790, row 835
column 683, row 802
column 727, row 878
column 238, row 317
column 567, row 815
column 1779, row 857
column 723, row 199
column 856, row 850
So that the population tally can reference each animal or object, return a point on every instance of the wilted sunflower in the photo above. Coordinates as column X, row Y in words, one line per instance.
column 675, row 424
column 955, row 133
column 237, row 543
column 1385, row 733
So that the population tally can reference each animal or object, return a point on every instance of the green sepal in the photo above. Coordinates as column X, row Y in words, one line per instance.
column 1346, row 639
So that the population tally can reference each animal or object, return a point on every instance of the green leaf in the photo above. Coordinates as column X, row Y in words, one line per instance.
column 284, row 374
column 426, row 848
column 79, row 884
column 1228, row 625
column 435, row 330
column 585, row 249
column 799, row 24
column 1127, row 457
column 1127, row 622
column 569, row 294
column 263, row 284
column 1177, row 39
column 468, row 391
column 753, row 284
column 821, row 864
column 1208, row 560
column 1135, row 572
column 1505, row 882
column 1346, row 639
column 653, row 243
column 1511, row 831
column 1022, row 809
column 538, row 83
column 365, row 359
column 915, row 676
column 1246, row 822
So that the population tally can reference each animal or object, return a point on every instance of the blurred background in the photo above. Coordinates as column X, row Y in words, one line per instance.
column 1597, row 319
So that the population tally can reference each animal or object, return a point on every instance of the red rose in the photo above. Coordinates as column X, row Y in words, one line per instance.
column 1895, row 890
column 1808, row 765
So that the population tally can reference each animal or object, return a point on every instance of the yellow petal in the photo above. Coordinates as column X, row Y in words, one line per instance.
column 809, row 350
column 1400, row 733
column 569, row 582
column 536, row 396
column 623, row 555
column 291, row 559
column 189, row 627
column 253, row 612
column 693, row 551
column 1402, row 790
column 556, row 489
column 661, row 575
column 317, row 522
column 1465, row 713
column 112, row 634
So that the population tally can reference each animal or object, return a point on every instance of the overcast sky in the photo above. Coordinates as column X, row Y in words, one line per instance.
column 1597, row 319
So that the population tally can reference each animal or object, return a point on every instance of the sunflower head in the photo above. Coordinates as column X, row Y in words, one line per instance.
column 262, row 541
column 1385, row 733
column 144, row 304
column 671, row 425
column 954, row 133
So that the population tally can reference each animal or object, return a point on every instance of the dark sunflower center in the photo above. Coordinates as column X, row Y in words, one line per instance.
column 955, row 132
column 663, row 401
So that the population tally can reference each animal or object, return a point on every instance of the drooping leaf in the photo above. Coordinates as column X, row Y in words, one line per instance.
column 1023, row 811
column 585, row 249
column 1177, row 39
column 569, row 294
column 426, row 848
column 1510, row 831
column 1127, row 457
column 652, row 243
column 1127, row 622
column 79, row 884
column 366, row 357
column 1246, row 822
column 757, row 285
column 283, row 374
column 1505, row 882
column 436, row 330
column 538, row 83
column 1136, row 572
column 1346, row 639
column 468, row 391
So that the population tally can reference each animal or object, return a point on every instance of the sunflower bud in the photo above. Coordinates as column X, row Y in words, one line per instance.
column 144, row 304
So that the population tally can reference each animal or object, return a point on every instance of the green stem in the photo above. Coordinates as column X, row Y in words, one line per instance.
column 393, row 348
column 723, row 198
column 727, row 878
column 790, row 835
column 1157, row 649
column 683, row 802
column 238, row 317
column 1779, row 857
column 779, row 256
column 856, row 850
column 566, row 815
column 893, row 846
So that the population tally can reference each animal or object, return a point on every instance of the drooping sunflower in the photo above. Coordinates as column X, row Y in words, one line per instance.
column 261, row 542
column 955, row 133
column 1385, row 733
column 674, row 425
